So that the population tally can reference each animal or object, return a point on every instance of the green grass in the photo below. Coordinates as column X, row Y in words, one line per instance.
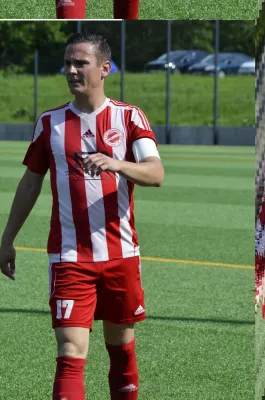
column 191, row 97
column 149, row 9
column 259, row 356
column 198, row 339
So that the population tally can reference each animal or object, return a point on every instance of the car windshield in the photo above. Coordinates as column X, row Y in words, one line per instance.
column 173, row 55
column 223, row 58
column 211, row 59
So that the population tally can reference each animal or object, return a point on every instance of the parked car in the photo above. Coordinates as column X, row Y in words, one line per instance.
column 180, row 60
column 247, row 68
column 228, row 64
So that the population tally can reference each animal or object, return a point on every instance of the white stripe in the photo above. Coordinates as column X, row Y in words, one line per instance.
column 38, row 129
column 136, row 119
column 52, row 289
column 95, row 203
column 136, row 112
column 148, row 127
column 69, row 249
column 117, row 121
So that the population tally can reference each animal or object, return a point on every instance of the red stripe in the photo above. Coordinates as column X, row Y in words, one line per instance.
column 77, row 188
column 109, row 189
column 41, row 116
column 55, row 236
column 130, row 157
column 56, row 108
column 110, row 136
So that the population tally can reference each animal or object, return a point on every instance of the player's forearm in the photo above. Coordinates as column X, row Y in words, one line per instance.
column 24, row 200
column 147, row 173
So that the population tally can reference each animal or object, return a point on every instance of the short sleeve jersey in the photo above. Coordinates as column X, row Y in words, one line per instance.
column 92, row 218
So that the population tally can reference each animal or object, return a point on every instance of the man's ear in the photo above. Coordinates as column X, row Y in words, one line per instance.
column 106, row 67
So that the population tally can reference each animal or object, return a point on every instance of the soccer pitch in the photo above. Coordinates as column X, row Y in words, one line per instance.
column 149, row 9
column 197, row 244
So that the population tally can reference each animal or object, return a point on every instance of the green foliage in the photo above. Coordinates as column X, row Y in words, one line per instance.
column 260, row 33
column 191, row 97
column 145, row 40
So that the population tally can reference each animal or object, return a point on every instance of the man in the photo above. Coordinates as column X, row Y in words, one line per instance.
column 96, row 149
column 75, row 9
column 260, row 239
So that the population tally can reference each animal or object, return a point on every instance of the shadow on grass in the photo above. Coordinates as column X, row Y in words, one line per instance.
column 149, row 317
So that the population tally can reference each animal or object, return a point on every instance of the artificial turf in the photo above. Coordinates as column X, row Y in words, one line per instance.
column 198, row 339
column 149, row 9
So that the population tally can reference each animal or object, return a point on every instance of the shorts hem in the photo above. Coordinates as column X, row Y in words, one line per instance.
column 123, row 321
column 72, row 325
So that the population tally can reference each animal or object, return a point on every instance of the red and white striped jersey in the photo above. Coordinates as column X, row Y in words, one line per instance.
column 92, row 218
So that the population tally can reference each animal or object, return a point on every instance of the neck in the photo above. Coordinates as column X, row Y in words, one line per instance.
column 89, row 103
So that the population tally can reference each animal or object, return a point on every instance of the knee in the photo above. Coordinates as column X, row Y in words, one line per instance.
column 118, row 335
column 71, row 349
column 72, row 345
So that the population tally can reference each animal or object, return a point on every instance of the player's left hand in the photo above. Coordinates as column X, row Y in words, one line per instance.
column 97, row 163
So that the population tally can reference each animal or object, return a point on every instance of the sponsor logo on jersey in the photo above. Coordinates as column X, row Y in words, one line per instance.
column 113, row 137
column 128, row 388
column 139, row 310
column 63, row 3
column 88, row 134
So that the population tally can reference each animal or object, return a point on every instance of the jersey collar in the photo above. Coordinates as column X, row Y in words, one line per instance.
column 92, row 114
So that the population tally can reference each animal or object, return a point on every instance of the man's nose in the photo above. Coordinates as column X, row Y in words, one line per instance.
column 72, row 69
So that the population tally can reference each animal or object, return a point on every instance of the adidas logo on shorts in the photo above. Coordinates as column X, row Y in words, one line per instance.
column 139, row 310
column 129, row 388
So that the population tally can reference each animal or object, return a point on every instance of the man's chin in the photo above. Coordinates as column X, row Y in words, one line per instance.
column 76, row 89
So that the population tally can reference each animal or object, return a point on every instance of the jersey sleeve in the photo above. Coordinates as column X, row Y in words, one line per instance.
column 140, row 127
column 37, row 156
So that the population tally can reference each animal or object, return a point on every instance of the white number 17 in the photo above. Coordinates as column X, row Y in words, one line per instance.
column 68, row 304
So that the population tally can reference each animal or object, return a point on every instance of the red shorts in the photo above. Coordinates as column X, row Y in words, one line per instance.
column 108, row 290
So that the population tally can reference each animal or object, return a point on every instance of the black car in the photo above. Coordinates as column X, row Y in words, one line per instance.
column 180, row 61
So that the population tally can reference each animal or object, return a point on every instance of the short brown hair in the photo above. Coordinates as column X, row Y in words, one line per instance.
column 102, row 48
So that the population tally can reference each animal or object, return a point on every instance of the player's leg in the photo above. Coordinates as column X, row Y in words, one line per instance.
column 72, row 302
column 126, row 9
column 72, row 343
column 70, row 9
column 120, row 305
column 123, row 374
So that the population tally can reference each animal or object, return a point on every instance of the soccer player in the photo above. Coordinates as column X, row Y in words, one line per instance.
column 260, row 243
column 96, row 149
column 75, row 9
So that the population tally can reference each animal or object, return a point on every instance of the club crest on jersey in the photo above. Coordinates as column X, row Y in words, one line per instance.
column 113, row 137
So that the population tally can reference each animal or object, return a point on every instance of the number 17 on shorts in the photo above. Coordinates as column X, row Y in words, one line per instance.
column 64, row 308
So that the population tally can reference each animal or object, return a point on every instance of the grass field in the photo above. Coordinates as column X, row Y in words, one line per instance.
column 149, row 9
column 191, row 97
column 260, row 356
column 197, row 240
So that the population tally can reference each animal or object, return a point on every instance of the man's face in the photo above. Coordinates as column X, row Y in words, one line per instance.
column 82, row 69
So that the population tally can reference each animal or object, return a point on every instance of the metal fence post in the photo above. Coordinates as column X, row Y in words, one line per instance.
column 36, row 62
column 168, row 82
column 123, row 40
column 78, row 27
column 216, row 77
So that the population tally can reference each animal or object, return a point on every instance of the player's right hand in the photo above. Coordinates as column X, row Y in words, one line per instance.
column 7, row 261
